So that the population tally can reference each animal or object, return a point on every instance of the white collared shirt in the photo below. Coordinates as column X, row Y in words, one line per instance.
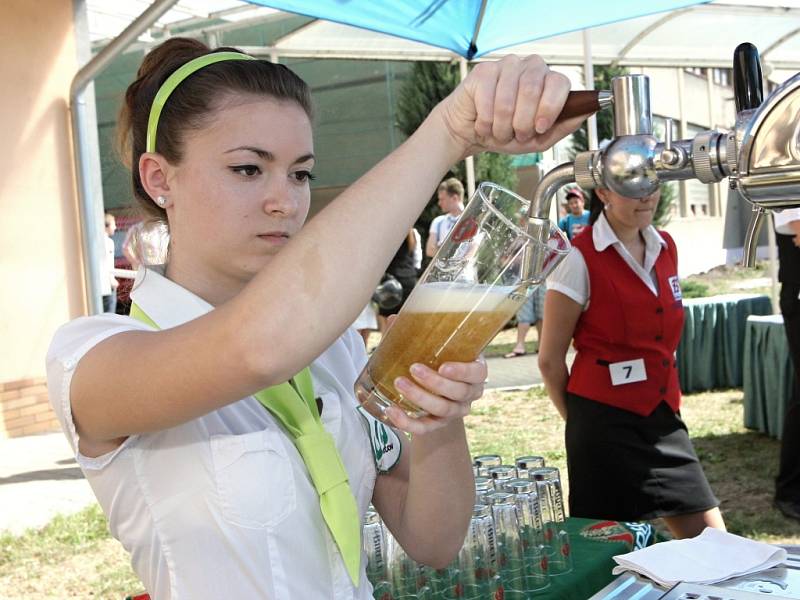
column 783, row 218
column 571, row 277
column 221, row 506
column 441, row 226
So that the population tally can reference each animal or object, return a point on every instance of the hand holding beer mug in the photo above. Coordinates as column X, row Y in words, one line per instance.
column 488, row 265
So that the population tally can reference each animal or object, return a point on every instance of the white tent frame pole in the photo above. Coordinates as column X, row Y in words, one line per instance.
column 86, row 163
column 469, row 162
column 588, row 82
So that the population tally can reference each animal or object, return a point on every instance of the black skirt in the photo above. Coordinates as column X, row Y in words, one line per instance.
column 625, row 467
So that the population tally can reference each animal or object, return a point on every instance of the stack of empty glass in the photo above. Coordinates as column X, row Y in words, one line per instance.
column 551, row 503
column 516, row 540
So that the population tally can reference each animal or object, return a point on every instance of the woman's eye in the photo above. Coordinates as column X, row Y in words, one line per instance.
column 246, row 170
column 304, row 176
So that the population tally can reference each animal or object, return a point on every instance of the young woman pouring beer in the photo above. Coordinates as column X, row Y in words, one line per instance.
column 225, row 466
column 617, row 294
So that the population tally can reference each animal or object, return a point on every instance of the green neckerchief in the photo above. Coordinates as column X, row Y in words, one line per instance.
column 293, row 404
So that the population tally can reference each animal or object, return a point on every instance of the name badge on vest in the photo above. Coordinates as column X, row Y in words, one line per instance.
column 675, row 286
column 385, row 443
column 628, row 371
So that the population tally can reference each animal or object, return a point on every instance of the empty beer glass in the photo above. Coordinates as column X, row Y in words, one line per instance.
column 502, row 475
column 477, row 578
column 403, row 573
column 487, row 266
column 375, row 547
column 529, row 514
column 484, row 462
column 510, row 557
column 526, row 463
column 483, row 487
column 548, row 484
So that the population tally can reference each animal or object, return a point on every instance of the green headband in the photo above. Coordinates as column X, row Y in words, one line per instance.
column 175, row 80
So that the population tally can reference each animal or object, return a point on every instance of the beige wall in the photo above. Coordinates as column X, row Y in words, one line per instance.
column 39, row 245
column 699, row 243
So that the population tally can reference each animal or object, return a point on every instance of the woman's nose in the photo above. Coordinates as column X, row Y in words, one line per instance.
column 279, row 199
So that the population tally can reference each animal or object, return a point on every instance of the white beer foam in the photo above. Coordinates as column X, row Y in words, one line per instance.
column 454, row 297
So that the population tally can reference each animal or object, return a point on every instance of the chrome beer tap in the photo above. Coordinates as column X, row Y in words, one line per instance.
column 760, row 155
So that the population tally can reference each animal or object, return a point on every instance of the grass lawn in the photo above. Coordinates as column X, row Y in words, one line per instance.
column 74, row 557
column 733, row 279
column 740, row 464
column 505, row 341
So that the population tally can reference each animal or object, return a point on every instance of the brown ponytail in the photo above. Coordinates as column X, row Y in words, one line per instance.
column 595, row 207
column 192, row 103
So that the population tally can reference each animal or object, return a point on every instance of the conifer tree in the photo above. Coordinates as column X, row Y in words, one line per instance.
column 428, row 84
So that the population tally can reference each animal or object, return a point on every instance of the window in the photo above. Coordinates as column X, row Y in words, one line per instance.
column 722, row 76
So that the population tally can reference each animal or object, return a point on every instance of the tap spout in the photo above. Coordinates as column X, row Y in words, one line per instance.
column 751, row 237
column 536, row 256
column 547, row 188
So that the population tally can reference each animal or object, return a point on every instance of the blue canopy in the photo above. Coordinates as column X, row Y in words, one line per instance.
column 473, row 28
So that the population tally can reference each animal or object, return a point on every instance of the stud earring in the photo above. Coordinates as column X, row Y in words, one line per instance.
column 161, row 201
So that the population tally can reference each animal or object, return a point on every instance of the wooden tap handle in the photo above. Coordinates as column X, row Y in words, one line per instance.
column 581, row 102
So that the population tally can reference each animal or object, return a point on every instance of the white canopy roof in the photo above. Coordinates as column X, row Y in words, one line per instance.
column 702, row 35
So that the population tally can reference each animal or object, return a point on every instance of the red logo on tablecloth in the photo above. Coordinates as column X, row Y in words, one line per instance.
column 608, row 531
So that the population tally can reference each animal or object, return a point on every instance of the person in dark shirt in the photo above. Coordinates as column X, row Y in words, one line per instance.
column 401, row 268
column 787, row 484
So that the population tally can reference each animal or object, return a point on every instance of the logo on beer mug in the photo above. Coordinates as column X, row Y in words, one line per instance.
column 465, row 230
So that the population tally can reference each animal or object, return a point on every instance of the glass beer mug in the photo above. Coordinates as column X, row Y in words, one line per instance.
column 488, row 265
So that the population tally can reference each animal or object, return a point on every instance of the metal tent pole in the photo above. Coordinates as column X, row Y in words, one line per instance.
column 86, row 163
column 588, row 82
column 469, row 162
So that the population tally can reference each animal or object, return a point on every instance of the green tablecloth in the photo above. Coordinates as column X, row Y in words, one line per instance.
column 710, row 353
column 594, row 543
column 768, row 374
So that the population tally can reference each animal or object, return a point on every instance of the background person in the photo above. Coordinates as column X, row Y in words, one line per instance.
column 109, row 283
column 787, row 484
column 401, row 268
column 366, row 323
column 629, row 456
column 577, row 216
column 530, row 313
column 417, row 251
column 233, row 427
column 146, row 243
column 451, row 202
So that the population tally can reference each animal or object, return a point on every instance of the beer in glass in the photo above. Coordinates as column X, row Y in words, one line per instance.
column 487, row 266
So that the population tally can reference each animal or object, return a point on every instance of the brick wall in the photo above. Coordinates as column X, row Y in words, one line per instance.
column 25, row 409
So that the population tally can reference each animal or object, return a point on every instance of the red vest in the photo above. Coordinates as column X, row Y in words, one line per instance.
column 625, row 321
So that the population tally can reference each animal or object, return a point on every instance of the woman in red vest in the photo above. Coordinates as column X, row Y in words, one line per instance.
column 617, row 294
